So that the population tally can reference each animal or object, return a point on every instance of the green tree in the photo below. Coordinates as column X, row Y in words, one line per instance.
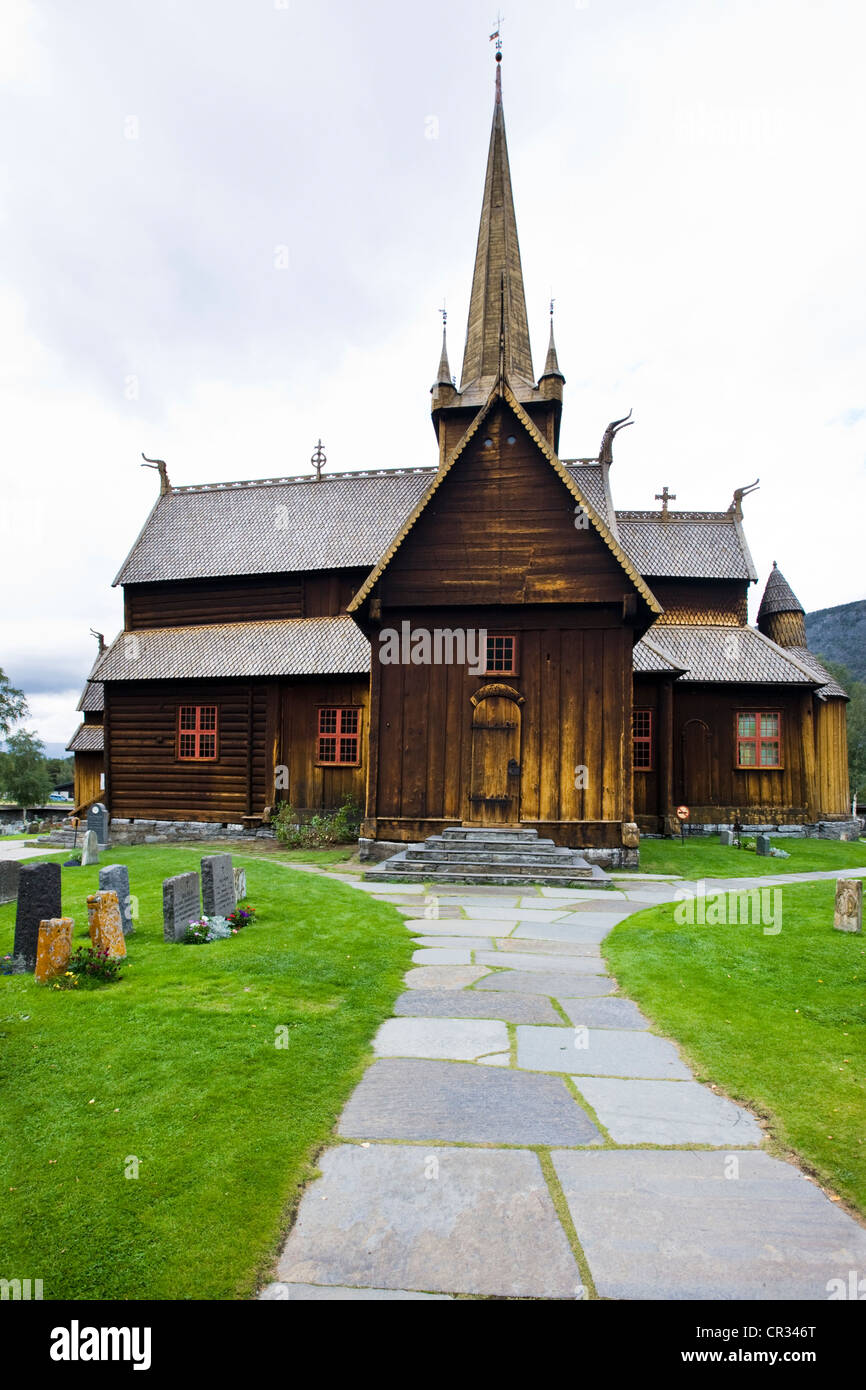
column 856, row 727
column 25, row 775
column 60, row 770
column 13, row 705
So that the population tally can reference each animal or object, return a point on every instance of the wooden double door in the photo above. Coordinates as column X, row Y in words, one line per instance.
column 494, row 790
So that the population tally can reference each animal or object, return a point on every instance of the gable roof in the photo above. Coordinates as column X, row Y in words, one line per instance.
column 274, row 525
column 829, row 684
column 92, row 698
column 282, row 647
column 503, row 391
column 687, row 545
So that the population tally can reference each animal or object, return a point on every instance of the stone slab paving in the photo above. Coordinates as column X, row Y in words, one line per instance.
column 452, row 1039
column 456, row 1102
column 668, row 1113
column 516, row 944
column 602, row 1013
column 579, row 965
column 407, row 1218
column 444, row 976
column 553, row 983
column 455, row 943
column 480, row 1221
column 319, row 1293
column 599, row 1052
column 467, row 1003
column 681, row 1224
column 442, row 957
column 592, row 929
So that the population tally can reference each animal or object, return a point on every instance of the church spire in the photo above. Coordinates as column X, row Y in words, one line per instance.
column 497, row 284
column 443, row 375
column 551, row 365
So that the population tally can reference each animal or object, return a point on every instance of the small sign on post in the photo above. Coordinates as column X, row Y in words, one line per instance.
column 683, row 814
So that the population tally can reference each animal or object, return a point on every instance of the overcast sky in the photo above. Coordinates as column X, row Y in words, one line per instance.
column 226, row 227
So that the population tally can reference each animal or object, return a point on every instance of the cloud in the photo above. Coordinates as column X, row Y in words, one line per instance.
column 228, row 229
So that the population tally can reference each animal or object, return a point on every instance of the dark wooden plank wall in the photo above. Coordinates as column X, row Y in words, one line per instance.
column 500, row 530
column 312, row 787
column 576, row 684
column 242, row 598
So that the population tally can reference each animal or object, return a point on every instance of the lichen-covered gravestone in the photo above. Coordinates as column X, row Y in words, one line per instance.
column 181, row 904
column 38, row 901
column 89, row 849
column 115, row 878
column 10, row 870
column 218, row 885
column 106, row 928
column 849, row 905
column 762, row 845
column 726, row 837
column 53, row 948
column 97, row 821
column 240, row 885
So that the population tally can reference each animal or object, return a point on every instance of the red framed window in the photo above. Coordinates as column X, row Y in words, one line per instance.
column 501, row 658
column 197, row 729
column 759, row 739
column 642, row 740
column 338, row 737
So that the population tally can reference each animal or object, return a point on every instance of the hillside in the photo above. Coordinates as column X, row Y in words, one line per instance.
column 840, row 634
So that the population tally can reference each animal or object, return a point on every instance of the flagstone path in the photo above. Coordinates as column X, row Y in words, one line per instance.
column 523, row 1134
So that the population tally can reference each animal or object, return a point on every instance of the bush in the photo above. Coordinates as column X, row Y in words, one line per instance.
column 339, row 827
column 96, row 966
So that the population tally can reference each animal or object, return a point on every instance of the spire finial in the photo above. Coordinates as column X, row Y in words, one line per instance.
column 497, row 38
column 319, row 459
column 443, row 376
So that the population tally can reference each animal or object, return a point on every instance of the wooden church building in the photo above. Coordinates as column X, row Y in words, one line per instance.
column 486, row 641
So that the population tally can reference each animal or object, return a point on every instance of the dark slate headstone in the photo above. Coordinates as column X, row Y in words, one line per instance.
column 10, row 870
column 38, row 901
column 115, row 877
column 762, row 845
column 726, row 837
column 218, row 885
column 181, row 905
column 97, row 820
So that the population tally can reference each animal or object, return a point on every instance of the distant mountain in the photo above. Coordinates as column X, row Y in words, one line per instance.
column 840, row 634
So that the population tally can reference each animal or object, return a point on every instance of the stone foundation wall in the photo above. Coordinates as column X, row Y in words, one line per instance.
column 152, row 832
column 850, row 829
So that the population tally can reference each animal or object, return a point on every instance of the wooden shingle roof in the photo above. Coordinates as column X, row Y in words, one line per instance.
column 276, row 525
column 285, row 647
column 88, row 738
column 733, row 655
column 686, row 545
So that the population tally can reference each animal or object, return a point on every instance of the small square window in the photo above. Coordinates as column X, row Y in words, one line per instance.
column 501, row 658
column 759, row 739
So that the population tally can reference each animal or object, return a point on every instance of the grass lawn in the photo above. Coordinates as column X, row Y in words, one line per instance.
column 776, row 1021
column 704, row 857
column 176, row 1065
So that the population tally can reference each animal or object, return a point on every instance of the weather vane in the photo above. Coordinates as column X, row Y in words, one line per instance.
column 500, row 19
column 444, row 312
column 318, row 460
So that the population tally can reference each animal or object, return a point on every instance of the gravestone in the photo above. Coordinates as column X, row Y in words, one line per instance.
column 726, row 837
column 181, row 904
column 53, row 948
column 115, row 878
column 240, row 885
column 89, row 849
column 106, row 927
column 10, row 870
column 97, row 820
column 762, row 845
column 848, row 915
column 38, row 901
column 217, row 885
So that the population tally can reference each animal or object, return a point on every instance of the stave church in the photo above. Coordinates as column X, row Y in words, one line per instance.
column 482, row 640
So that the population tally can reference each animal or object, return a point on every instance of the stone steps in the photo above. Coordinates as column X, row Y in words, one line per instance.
column 481, row 855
